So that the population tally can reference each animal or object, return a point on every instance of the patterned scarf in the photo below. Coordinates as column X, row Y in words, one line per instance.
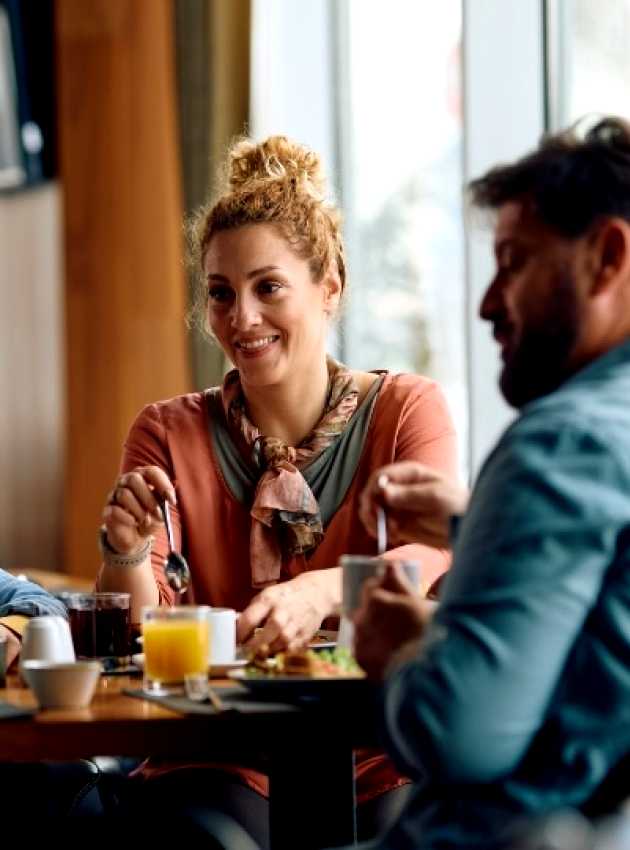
column 285, row 514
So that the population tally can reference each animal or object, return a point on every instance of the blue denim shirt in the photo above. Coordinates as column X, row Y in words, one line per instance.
column 24, row 597
column 519, row 701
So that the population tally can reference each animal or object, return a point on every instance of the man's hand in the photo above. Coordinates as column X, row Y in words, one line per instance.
column 13, row 644
column 390, row 616
column 418, row 501
column 289, row 613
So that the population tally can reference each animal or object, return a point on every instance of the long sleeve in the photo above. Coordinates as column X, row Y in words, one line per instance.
column 530, row 559
column 147, row 445
column 26, row 598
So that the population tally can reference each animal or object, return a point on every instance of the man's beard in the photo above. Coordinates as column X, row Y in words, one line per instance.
column 541, row 360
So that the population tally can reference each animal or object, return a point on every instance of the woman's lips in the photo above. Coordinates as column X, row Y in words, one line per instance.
column 251, row 349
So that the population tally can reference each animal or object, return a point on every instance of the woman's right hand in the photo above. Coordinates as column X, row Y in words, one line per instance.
column 132, row 513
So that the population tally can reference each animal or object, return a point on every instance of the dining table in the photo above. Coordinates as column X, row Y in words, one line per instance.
column 307, row 745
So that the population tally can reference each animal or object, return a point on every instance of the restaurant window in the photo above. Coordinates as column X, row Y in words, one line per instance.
column 400, row 131
column 407, row 101
column 588, row 59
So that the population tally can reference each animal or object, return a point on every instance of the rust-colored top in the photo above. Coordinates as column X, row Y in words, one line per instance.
column 410, row 421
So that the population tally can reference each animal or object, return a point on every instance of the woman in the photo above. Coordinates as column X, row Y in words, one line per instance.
column 264, row 473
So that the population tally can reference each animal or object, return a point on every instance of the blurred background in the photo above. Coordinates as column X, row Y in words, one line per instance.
column 114, row 115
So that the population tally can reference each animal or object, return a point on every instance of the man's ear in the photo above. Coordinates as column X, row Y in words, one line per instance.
column 332, row 291
column 612, row 254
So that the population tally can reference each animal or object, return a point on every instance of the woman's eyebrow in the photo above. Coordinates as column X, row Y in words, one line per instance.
column 263, row 270
column 254, row 273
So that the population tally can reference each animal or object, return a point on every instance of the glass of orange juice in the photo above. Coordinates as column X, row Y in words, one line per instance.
column 176, row 645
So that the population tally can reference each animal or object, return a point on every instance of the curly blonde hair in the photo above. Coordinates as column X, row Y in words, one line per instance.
column 277, row 182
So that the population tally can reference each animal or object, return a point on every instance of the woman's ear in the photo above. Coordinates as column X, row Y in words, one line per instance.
column 332, row 291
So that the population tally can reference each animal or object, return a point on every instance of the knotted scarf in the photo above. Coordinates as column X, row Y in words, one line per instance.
column 286, row 520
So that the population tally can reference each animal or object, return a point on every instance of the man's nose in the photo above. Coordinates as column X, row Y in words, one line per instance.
column 492, row 302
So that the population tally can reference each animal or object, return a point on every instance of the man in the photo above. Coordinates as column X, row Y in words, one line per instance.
column 20, row 600
column 513, row 700
column 41, row 794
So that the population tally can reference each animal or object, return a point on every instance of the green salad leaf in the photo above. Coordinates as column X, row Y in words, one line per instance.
column 340, row 656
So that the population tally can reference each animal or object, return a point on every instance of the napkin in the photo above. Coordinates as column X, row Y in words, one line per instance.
column 13, row 712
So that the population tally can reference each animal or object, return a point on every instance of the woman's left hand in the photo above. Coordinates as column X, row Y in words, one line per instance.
column 288, row 613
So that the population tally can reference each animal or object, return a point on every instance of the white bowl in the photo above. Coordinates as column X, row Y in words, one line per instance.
column 62, row 684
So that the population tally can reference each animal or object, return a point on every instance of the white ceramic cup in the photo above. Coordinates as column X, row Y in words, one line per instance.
column 356, row 569
column 47, row 639
column 222, row 636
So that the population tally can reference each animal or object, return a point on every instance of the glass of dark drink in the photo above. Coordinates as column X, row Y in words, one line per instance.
column 100, row 625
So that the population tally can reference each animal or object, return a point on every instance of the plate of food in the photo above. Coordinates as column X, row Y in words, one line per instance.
column 304, row 674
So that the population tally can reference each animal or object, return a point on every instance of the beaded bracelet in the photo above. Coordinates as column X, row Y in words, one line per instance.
column 112, row 558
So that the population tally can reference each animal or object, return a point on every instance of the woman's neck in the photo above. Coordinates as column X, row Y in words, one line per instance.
column 289, row 411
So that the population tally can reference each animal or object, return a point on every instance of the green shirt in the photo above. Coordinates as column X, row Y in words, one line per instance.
column 519, row 702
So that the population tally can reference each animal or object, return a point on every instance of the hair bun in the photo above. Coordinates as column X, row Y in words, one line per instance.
column 278, row 159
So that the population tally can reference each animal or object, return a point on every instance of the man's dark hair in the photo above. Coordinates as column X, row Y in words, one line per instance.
column 571, row 180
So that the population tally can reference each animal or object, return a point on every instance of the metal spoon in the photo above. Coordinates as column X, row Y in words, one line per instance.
column 381, row 530
column 176, row 569
column 381, row 520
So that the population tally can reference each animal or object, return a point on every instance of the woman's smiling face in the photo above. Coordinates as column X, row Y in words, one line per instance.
column 264, row 308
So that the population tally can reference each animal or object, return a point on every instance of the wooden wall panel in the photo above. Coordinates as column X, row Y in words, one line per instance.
column 125, row 287
column 31, row 379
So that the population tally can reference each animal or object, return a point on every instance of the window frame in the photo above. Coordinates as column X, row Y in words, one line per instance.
column 507, row 54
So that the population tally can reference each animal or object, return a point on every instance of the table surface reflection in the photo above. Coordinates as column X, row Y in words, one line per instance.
column 309, row 750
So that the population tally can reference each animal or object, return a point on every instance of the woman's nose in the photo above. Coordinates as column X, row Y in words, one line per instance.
column 244, row 314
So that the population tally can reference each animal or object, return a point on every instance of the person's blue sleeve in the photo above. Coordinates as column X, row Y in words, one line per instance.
column 24, row 597
column 530, row 558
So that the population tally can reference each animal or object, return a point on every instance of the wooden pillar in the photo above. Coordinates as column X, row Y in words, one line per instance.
column 125, row 284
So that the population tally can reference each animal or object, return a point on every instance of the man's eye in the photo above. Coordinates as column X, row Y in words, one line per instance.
column 512, row 263
column 219, row 294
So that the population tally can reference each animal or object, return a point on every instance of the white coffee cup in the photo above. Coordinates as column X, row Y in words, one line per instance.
column 356, row 569
column 222, row 636
column 47, row 639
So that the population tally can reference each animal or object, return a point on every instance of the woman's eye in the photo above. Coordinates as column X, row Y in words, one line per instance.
column 268, row 287
column 219, row 294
